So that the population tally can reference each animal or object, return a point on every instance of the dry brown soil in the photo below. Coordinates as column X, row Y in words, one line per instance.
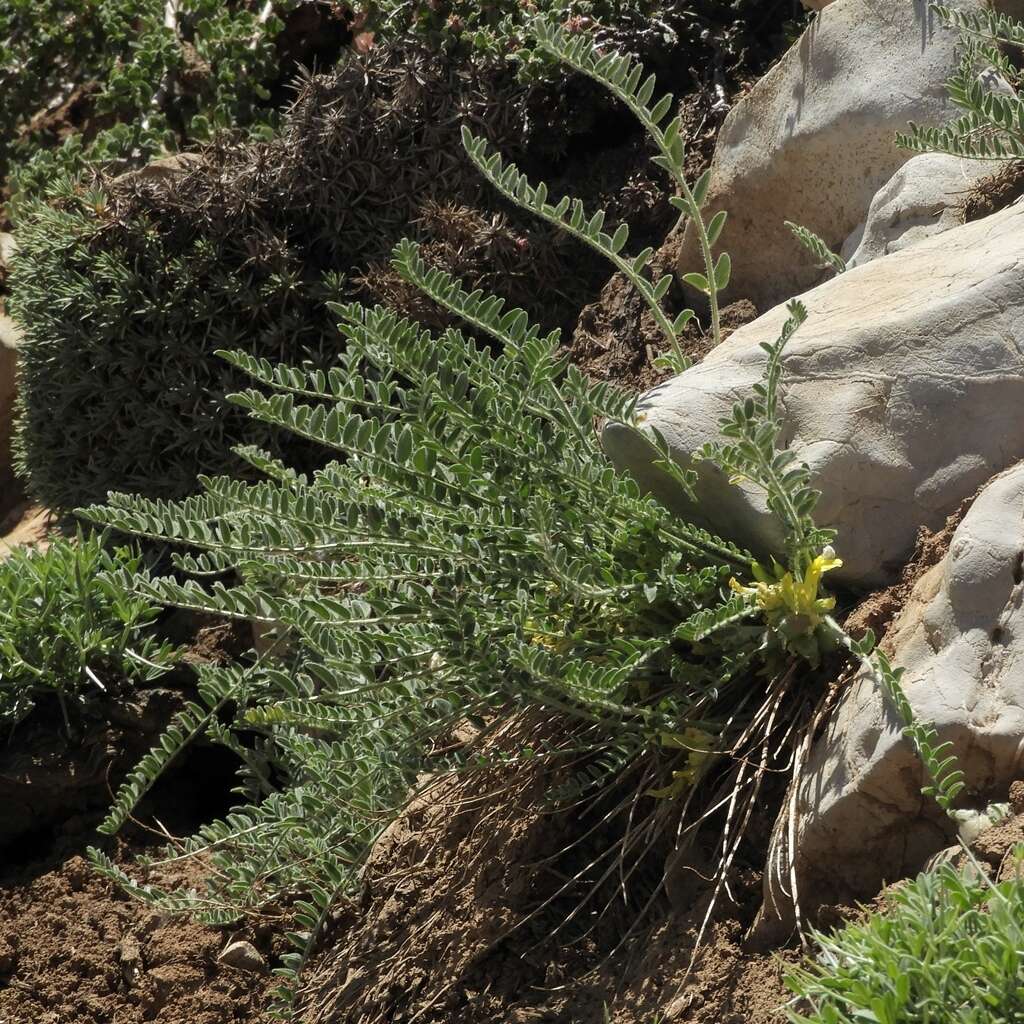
column 75, row 950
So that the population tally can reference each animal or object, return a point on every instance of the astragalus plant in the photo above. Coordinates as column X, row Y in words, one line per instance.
column 626, row 80
column 467, row 558
column 990, row 125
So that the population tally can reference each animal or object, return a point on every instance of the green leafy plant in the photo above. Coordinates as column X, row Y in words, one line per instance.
column 947, row 949
column 152, row 77
column 470, row 557
column 626, row 80
column 68, row 632
column 818, row 248
column 991, row 126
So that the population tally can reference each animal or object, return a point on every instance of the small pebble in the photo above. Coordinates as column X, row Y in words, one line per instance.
column 243, row 956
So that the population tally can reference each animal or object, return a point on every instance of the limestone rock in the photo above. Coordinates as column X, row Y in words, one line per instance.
column 920, row 200
column 7, row 247
column 243, row 956
column 814, row 140
column 903, row 392
column 861, row 819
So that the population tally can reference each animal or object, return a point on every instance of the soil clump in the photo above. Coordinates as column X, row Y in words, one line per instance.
column 481, row 904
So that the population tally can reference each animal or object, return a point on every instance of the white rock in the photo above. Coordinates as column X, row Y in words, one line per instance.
column 7, row 248
column 814, row 140
column 921, row 200
column 243, row 956
column 903, row 392
column 861, row 819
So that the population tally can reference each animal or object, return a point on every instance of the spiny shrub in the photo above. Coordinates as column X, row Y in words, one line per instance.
column 655, row 29
column 991, row 126
column 152, row 76
column 947, row 949
column 68, row 633
column 126, row 292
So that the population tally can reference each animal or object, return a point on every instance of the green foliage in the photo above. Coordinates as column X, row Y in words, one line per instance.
column 991, row 126
column 69, row 632
column 153, row 76
column 470, row 556
column 947, row 949
column 626, row 80
column 752, row 452
column 818, row 248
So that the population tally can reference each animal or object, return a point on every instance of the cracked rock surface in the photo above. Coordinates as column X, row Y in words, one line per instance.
column 903, row 392
column 861, row 820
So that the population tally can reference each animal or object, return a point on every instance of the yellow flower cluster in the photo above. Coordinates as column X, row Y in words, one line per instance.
column 700, row 745
column 789, row 597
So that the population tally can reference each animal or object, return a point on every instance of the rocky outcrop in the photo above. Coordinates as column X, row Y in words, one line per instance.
column 903, row 393
column 860, row 817
column 814, row 140
column 921, row 200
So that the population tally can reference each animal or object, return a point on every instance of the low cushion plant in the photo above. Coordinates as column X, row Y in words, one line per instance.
column 126, row 289
column 68, row 633
column 947, row 949
column 125, row 293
